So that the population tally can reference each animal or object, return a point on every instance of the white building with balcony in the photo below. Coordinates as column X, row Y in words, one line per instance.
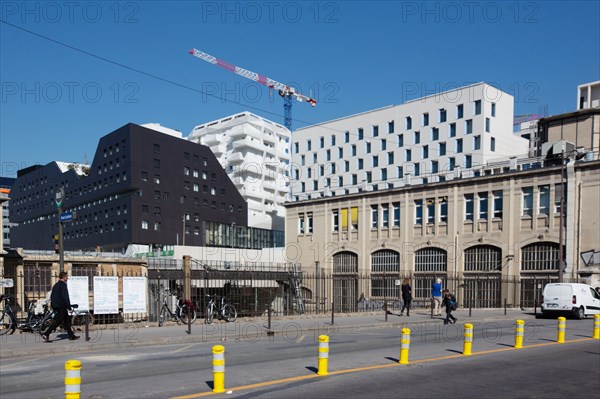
column 255, row 153
column 588, row 95
column 457, row 133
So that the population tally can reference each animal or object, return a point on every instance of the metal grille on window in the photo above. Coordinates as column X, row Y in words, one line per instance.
column 484, row 258
column 385, row 270
column 540, row 257
column 345, row 262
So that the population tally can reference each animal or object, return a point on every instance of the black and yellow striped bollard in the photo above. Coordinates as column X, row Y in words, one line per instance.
column 218, row 363
column 72, row 379
column 323, row 355
column 562, row 326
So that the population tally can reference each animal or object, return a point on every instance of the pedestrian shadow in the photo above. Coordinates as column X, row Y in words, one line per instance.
column 313, row 369
column 393, row 359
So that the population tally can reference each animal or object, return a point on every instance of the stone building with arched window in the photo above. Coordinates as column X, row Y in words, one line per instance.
column 493, row 237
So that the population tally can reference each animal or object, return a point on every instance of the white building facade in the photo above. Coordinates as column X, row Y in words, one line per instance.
column 255, row 153
column 426, row 140
column 588, row 95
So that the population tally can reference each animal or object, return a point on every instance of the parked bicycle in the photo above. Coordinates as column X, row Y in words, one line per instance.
column 8, row 319
column 185, row 311
column 80, row 317
column 217, row 307
column 39, row 317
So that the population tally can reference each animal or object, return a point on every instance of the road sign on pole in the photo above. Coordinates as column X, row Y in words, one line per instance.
column 66, row 216
column 58, row 198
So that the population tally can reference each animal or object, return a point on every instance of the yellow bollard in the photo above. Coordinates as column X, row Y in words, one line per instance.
column 404, row 346
column 218, row 364
column 519, row 332
column 468, row 343
column 596, row 326
column 562, row 325
column 72, row 379
column 323, row 354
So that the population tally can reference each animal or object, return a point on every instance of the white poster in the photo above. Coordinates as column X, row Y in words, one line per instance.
column 106, row 295
column 134, row 294
column 79, row 293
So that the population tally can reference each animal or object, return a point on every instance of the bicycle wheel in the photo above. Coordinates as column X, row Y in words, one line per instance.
column 6, row 322
column 80, row 319
column 209, row 314
column 188, row 315
column 162, row 316
column 229, row 313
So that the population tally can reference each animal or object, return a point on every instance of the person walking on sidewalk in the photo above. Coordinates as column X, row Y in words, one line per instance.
column 406, row 297
column 449, row 303
column 436, row 294
column 60, row 302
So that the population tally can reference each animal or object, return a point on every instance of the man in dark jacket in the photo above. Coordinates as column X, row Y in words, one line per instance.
column 59, row 299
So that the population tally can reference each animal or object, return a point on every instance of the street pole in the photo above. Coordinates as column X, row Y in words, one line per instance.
column 183, row 231
column 61, row 248
column 562, row 215
column 59, row 198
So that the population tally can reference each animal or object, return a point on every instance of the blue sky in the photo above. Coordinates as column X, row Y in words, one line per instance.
column 72, row 72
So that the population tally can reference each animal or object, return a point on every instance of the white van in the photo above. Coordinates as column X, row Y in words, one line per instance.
column 580, row 300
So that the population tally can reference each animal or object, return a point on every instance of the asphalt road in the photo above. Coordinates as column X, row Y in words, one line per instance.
column 363, row 364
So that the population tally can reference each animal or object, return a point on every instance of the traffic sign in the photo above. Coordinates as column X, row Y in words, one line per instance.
column 58, row 198
column 7, row 282
column 66, row 216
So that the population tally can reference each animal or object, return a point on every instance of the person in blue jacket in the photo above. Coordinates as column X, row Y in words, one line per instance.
column 436, row 293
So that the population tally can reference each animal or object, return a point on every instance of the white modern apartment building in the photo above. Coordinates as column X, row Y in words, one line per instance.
column 255, row 153
column 426, row 140
column 588, row 95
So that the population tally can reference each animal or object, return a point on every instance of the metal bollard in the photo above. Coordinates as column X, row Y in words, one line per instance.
column 468, row 343
column 404, row 346
column 323, row 355
column 218, row 364
column 596, row 327
column 519, row 332
column 562, row 325
column 72, row 379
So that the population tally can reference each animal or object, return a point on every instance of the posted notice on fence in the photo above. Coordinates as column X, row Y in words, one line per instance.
column 106, row 295
column 79, row 292
column 134, row 294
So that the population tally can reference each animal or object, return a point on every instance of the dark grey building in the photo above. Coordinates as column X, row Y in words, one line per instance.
column 143, row 187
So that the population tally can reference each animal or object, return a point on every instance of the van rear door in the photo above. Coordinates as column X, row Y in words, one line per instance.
column 558, row 296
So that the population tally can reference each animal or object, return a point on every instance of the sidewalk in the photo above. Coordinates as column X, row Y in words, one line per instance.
column 115, row 337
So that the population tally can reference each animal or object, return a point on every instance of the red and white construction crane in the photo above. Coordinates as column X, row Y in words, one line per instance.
column 288, row 93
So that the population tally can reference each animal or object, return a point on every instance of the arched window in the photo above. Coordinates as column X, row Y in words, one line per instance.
column 483, row 258
column 345, row 262
column 541, row 256
column 385, row 261
column 431, row 260
column 385, row 270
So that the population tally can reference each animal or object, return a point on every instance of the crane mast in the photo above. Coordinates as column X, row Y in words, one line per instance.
column 287, row 92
